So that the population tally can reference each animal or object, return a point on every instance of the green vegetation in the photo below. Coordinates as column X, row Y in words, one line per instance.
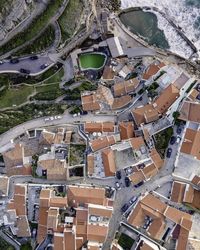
column 11, row 118
column 41, row 43
column 75, row 110
column 70, row 18
column 56, row 77
column 26, row 246
column 162, row 72
column 75, row 94
column 5, row 245
column 92, row 61
column 76, row 154
column 15, row 96
column 176, row 115
column 36, row 26
column 162, row 140
column 125, row 241
column 191, row 86
column 48, row 92
column 152, row 90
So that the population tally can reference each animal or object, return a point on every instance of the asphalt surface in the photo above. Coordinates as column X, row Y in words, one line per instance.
column 40, row 122
column 27, row 63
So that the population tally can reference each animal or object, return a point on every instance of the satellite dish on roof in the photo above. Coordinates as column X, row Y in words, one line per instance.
column 94, row 134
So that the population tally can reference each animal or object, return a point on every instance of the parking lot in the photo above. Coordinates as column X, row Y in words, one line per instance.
column 26, row 63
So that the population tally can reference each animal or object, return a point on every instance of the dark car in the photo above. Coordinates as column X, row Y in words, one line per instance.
column 118, row 175
column 169, row 152
column 14, row 60
column 43, row 66
column 127, row 181
column 179, row 130
column 25, row 71
column 34, row 57
column 124, row 208
column 172, row 140
column 139, row 184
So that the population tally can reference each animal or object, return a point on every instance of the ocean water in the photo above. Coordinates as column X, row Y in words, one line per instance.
column 185, row 13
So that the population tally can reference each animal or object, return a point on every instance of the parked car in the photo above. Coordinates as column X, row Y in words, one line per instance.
column 14, row 60
column 1, row 62
column 124, row 208
column 25, row 71
column 117, row 185
column 172, row 140
column 127, row 181
column 133, row 200
column 34, row 57
column 178, row 130
column 43, row 66
column 139, row 184
column 178, row 139
column 118, row 175
column 169, row 152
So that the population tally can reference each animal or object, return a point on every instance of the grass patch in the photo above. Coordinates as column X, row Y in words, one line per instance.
column 5, row 245
column 76, row 154
column 41, row 43
column 26, row 246
column 12, row 118
column 34, row 28
column 68, row 21
column 162, row 140
column 15, row 96
column 75, row 94
column 125, row 241
column 56, row 77
column 48, row 92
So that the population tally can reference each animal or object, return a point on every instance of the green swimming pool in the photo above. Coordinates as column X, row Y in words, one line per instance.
column 92, row 61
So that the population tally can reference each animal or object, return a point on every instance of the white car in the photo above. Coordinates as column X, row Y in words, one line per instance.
column 51, row 118
column 117, row 185
column 178, row 139
column 46, row 119
column 57, row 117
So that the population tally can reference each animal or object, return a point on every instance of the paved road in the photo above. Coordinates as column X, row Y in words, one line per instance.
column 40, row 122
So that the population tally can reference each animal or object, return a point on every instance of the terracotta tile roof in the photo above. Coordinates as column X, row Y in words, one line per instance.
column 47, row 137
column 13, row 157
column 79, row 195
column 89, row 102
column 152, row 70
column 90, row 164
column 58, row 241
column 100, row 211
column 81, row 223
column 97, row 233
column 91, row 127
column 121, row 102
column 137, row 177
column 157, row 228
column 182, row 239
column 137, row 142
column 157, row 160
column 126, row 130
column 60, row 202
column 166, row 99
column 108, row 73
column 145, row 114
column 69, row 239
column 150, row 171
column 190, row 112
column 56, row 169
column 189, row 194
column 126, row 87
column 52, row 219
column 23, row 227
column 176, row 215
column 191, row 143
column 102, row 142
column 154, row 203
column 177, row 193
column 145, row 246
column 196, row 180
column 108, row 162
